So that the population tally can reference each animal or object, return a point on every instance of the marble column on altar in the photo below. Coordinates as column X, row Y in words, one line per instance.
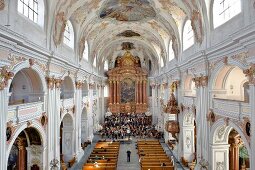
column 21, row 154
column 136, row 92
column 141, row 91
column 110, row 91
column 144, row 92
column 118, row 91
column 114, row 92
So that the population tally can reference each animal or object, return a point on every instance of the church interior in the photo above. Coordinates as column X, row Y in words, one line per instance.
column 127, row 84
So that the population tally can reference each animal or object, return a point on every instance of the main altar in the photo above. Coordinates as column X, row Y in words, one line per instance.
column 127, row 85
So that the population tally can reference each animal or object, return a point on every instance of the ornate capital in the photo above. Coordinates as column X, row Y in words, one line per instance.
column 153, row 86
column 92, row 85
column 165, row 85
column 58, row 83
column 249, row 73
column 201, row 81
column 78, row 84
column 50, row 82
column 5, row 76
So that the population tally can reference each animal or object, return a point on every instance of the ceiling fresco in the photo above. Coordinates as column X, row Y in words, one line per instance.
column 127, row 10
column 129, row 33
column 148, row 24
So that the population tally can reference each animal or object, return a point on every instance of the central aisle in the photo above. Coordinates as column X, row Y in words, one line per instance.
column 122, row 159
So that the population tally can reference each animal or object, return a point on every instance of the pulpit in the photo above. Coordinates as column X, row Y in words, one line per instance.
column 127, row 85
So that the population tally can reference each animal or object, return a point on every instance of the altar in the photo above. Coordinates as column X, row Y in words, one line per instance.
column 128, row 85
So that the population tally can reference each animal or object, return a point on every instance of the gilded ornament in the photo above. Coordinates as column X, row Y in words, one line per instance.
column 50, row 82
column 78, row 84
column 5, row 76
column 173, row 128
column 250, row 72
column 58, row 83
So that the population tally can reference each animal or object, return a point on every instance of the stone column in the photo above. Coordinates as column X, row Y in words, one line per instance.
column 202, row 110
column 250, row 74
column 78, row 111
column 5, row 77
column 153, row 103
column 57, row 118
column 103, row 104
column 90, row 118
column 21, row 155
column 3, row 120
column 51, row 121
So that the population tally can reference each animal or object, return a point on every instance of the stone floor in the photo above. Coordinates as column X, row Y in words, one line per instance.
column 122, row 159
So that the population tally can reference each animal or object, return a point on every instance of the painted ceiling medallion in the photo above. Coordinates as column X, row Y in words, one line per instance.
column 127, row 46
column 127, row 10
column 129, row 33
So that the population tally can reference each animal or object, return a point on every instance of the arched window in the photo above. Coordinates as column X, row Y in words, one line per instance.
column 29, row 8
column 161, row 62
column 95, row 62
column 86, row 52
column 69, row 35
column 170, row 51
column 224, row 10
column 106, row 66
column 188, row 35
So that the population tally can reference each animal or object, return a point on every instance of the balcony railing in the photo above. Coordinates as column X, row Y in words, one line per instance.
column 25, row 112
column 16, row 98
column 230, row 108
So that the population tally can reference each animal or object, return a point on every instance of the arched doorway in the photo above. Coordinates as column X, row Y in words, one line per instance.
column 84, row 125
column 27, row 151
column 230, row 149
column 66, row 139
column 26, row 87
column 67, row 88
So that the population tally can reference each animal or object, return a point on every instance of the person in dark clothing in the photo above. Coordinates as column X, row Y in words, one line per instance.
column 128, row 155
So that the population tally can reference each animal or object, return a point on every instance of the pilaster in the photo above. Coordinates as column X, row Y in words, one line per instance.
column 5, row 76
column 78, row 110
column 250, row 74
column 201, row 84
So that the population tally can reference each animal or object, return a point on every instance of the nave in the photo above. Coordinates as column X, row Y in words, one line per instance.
column 122, row 163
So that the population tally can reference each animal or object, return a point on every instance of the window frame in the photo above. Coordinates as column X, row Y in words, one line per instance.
column 184, row 33
column 22, row 4
column 213, row 14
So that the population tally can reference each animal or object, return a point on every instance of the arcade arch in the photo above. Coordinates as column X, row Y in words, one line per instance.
column 26, row 87
column 66, row 139
column 27, row 151
column 67, row 88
